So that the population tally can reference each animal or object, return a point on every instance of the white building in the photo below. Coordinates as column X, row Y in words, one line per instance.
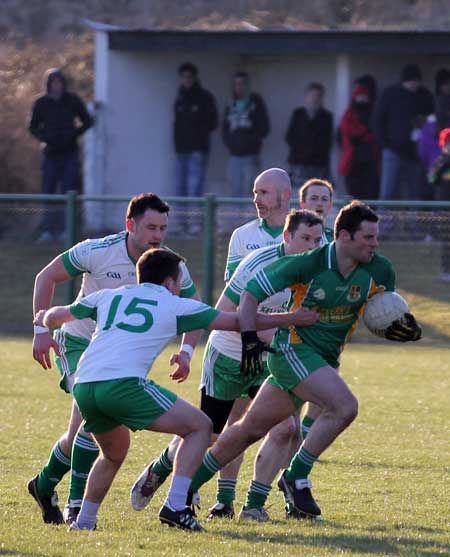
column 130, row 149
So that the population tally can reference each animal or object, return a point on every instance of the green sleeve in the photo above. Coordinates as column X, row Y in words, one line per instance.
column 232, row 295
column 68, row 265
column 194, row 321
column 189, row 291
column 275, row 278
column 231, row 267
column 81, row 311
column 383, row 273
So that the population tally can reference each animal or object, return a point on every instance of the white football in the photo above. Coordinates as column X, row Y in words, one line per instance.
column 382, row 309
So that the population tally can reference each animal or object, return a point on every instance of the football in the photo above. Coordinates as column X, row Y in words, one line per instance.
column 382, row 309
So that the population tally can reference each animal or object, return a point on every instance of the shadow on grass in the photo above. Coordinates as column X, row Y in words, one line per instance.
column 354, row 543
column 4, row 551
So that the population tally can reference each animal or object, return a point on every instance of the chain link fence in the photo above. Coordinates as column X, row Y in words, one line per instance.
column 414, row 235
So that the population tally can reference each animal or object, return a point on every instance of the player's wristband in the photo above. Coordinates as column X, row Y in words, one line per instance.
column 188, row 349
column 39, row 329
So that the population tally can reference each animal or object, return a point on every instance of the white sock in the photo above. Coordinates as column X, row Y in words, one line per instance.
column 176, row 498
column 88, row 514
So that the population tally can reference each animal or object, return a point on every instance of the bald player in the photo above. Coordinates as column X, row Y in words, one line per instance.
column 272, row 192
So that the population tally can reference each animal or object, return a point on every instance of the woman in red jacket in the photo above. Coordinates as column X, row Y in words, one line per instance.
column 360, row 157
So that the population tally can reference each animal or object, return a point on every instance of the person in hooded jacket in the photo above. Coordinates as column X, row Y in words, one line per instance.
column 58, row 119
column 359, row 162
column 195, row 118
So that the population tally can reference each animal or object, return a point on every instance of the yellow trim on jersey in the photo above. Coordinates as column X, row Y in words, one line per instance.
column 298, row 295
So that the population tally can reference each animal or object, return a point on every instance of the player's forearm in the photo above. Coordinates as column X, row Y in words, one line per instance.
column 191, row 338
column 57, row 316
column 272, row 320
column 44, row 290
column 247, row 312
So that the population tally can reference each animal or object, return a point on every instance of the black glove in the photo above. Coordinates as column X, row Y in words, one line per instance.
column 252, row 350
column 404, row 330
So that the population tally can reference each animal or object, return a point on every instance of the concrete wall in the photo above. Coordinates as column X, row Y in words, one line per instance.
column 137, row 91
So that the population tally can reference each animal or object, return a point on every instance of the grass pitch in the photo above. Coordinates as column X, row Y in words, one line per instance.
column 384, row 486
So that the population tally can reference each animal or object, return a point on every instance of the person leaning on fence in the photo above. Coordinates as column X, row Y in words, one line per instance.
column 58, row 119
column 195, row 118
column 309, row 137
column 439, row 178
column 245, row 125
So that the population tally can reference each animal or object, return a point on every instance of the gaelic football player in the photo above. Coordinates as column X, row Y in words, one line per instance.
column 108, row 262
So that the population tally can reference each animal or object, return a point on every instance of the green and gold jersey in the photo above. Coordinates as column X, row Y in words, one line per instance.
column 315, row 282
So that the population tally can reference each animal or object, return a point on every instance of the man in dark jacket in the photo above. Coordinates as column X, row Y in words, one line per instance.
column 195, row 118
column 245, row 125
column 309, row 137
column 399, row 116
column 58, row 118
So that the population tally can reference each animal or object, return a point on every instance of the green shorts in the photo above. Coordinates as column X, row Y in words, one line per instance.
column 292, row 363
column 297, row 401
column 71, row 349
column 222, row 377
column 131, row 401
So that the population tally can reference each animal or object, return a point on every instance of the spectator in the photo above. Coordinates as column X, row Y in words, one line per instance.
column 439, row 177
column 309, row 138
column 195, row 118
column 245, row 125
column 359, row 161
column 58, row 119
column 371, row 83
column 442, row 82
column 429, row 149
column 399, row 116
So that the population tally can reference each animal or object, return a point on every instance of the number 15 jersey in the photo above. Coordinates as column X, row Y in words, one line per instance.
column 134, row 324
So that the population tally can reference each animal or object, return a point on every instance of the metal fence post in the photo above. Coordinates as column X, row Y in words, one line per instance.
column 209, row 248
column 71, row 237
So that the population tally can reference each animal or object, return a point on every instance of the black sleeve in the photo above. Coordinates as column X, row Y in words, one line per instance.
column 263, row 124
column 83, row 114
column 290, row 132
column 379, row 119
column 36, row 124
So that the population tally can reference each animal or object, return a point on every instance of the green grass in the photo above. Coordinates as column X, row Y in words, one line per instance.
column 384, row 486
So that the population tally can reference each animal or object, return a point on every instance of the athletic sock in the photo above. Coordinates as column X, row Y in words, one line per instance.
column 176, row 498
column 163, row 467
column 257, row 495
column 307, row 423
column 226, row 491
column 301, row 465
column 208, row 468
column 53, row 472
column 84, row 453
column 88, row 515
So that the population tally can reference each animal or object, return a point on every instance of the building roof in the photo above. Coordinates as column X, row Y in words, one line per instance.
column 281, row 41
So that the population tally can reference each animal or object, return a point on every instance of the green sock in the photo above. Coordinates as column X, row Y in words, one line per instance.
column 301, row 465
column 84, row 453
column 163, row 467
column 208, row 468
column 307, row 422
column 53, row 472
column 257, row 495
column 226, row 491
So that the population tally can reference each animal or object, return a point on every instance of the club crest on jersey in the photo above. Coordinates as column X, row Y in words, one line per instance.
column 319, row 294
column 354, row 294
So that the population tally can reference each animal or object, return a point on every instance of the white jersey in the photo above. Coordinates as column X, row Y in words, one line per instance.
column 229, row 342
column 105, row 263
column 247, row 238
column 134, row 324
